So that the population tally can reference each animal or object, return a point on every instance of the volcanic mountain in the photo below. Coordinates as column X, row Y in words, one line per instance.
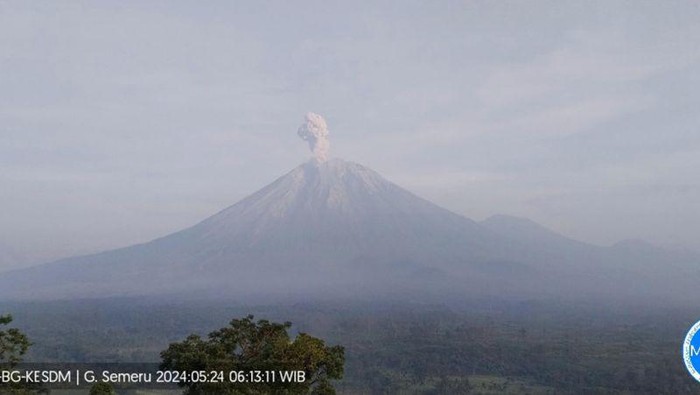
column 338, row 227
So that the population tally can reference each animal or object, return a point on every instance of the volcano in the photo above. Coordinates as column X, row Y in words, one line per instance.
column 337, row 227
column 322, row 225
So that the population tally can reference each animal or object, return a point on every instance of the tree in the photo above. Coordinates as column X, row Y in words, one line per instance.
column 102, row 389
column 13, row 344
column 252, row 358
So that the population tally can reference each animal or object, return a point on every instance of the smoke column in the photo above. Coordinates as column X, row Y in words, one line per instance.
column 315, row 131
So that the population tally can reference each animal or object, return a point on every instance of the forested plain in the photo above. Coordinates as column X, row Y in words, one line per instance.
column 485, row 346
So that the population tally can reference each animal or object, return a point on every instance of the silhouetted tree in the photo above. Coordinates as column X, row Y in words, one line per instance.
column 13, row 344
column 261, row 351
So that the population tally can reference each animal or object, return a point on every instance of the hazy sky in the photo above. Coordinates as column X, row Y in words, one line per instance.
column 124, row 121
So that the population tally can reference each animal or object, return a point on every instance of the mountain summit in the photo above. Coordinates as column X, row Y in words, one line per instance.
column 335, row 206
column 334, row 227
column 323, row 224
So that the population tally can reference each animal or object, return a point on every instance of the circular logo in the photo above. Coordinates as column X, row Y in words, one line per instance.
column 691, row 351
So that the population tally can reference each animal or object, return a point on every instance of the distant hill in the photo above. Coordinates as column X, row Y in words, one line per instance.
column 10, row 258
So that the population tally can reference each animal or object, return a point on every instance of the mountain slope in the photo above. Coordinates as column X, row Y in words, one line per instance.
column 339, row 228
column 320, row 225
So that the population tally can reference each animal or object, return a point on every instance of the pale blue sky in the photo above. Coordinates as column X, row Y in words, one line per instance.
column 125, row 121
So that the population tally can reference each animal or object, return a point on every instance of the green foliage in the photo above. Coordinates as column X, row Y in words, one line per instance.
column 263, row 346
column 491, row 348
column 102, row 389
column 13, row 344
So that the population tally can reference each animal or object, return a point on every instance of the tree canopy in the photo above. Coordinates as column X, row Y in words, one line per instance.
column 13, row 344
column 261, row 353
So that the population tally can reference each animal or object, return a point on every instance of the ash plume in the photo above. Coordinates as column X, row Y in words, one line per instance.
column 315, row 131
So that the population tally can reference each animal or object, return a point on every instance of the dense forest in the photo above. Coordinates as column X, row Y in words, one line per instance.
column 481, row 347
